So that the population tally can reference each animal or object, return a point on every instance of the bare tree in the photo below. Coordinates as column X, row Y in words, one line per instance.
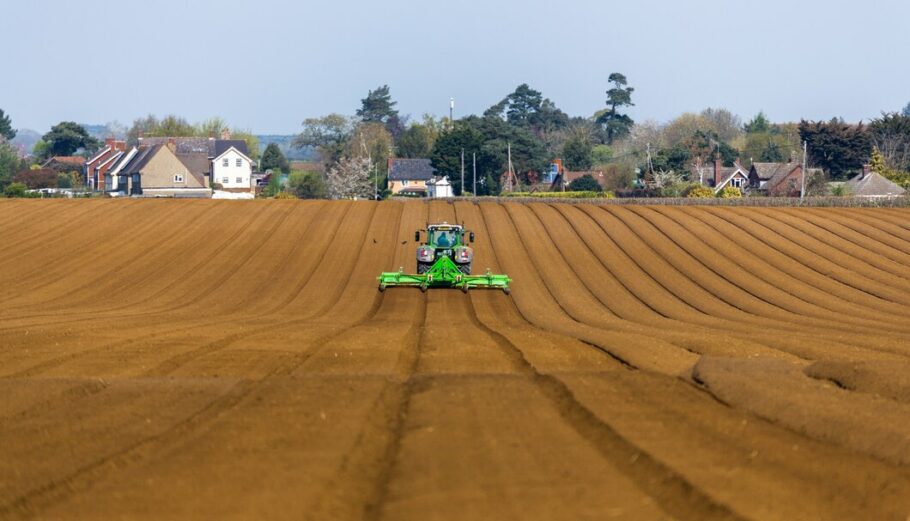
column 350, row 178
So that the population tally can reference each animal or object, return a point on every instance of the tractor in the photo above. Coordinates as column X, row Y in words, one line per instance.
column 444, row 261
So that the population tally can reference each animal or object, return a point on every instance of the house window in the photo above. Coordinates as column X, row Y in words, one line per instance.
column 239, row 163
column 226, row 162
column 225, row 180
column 404, row 183
column 239, row 180
column 737, row 182
column 178, row 178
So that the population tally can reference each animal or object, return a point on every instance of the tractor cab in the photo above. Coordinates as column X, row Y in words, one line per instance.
column 445, row 236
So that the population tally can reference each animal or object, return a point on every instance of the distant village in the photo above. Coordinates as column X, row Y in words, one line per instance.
column 521, row 146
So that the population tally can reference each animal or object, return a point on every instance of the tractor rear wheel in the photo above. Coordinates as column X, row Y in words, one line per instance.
column 423, row 267
column 465, row 268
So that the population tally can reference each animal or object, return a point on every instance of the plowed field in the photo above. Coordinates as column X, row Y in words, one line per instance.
column 234, row 360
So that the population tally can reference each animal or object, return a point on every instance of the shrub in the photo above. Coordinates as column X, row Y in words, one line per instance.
column 307, row 185
column 840, row 190
column 15, row 190
column 699, row 192
column 730, row 192
column 285, row 195
column 217, row 186
column 585, row 183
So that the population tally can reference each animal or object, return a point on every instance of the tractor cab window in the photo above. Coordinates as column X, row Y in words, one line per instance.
column 444, row 239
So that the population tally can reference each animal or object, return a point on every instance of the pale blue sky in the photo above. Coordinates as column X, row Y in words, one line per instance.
column 268, row 64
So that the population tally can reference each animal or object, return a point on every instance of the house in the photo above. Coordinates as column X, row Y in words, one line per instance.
column 871, row 184
column 410, row 176
column 65, row 164
column 439, row 188
column 223, row 161
column 779, row 179
column 718, row 176
column 98, row 165
column 156, row 171
column 598, row 176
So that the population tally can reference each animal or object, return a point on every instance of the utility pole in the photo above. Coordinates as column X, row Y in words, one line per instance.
column 802, row 188
column 474, row 156
column 451, row 113
column 462, row 171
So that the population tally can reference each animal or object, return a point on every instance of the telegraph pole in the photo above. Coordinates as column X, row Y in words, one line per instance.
column 802, row 187
column 451, row 113
column 462, row 171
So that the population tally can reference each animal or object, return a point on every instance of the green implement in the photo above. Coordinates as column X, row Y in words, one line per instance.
column 444, row 261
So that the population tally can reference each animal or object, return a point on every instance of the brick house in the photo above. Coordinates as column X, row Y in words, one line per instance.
column 717, row 176
column 65, row 164
column 779, row 179
column 156, row 170
column 99, row 164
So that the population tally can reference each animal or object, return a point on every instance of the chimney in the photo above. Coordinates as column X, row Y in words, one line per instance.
column 110, row 142
column 717, row 165
column 867, row 169
column 225, row 133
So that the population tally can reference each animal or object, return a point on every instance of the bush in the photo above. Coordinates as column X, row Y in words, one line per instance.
column 561, row 195
column 730, row 192
column 285, row 195
column 307, row 185
column 585, row 183
column 15, row 190
column 699, row 192
column 217, row 186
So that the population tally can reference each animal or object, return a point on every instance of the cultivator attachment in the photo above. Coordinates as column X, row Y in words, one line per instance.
column 444, row 273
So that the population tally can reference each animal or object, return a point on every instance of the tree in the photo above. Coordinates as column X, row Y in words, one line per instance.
column 9, row 164
column 306, row 185
column 418, row 139
column 837, row 147
column 350, row 178
column 906, row 111
column 6, row 127
column 526, row 107
column 577, row 152
column 15, row 190
column 65, row 138
column 585, row 183
column 211, row 127
column 378, row 106
column 890, row 135
column 273, row 159
column 616, row 125
column 252, row 142
column 758, row 125
column 327, row 135
column 40, row 178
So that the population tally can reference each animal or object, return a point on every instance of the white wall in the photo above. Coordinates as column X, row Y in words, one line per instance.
column 232, row 172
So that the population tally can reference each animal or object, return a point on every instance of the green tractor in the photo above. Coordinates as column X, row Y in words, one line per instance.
column 444, row 261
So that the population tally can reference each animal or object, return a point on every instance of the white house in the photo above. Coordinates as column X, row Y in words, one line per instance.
column 439, row 188
column 232, row 169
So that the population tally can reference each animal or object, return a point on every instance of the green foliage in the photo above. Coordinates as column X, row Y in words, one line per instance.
column 273, row 188
column 585, row 183
column 890, row 133
column 285, row 195
column 577, row 153
column 418, row 139
column 839, row 190
column 835, row 146
column 64, row 181
column 601, row 154
column 65, row 138
column 616, row 125
column 10, row 164
column 252, row 142
column 6, row 126
column 15, row 190
column 306, row 185
column 378, row 106
column 526, row 107
column 273, row 159
column 879, row 166
column 699, row 192
column 730, row 192
column 328, row 135
column 758, row 125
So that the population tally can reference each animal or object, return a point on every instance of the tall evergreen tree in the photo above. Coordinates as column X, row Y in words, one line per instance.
column 377, row 106
column 615, row 124
column 6, row 127
column 66, row 138
column 273, row 159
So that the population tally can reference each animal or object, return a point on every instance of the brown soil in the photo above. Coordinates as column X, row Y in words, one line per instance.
column 234, row 360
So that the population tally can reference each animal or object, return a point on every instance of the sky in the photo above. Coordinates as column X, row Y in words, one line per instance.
column 266, row 65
